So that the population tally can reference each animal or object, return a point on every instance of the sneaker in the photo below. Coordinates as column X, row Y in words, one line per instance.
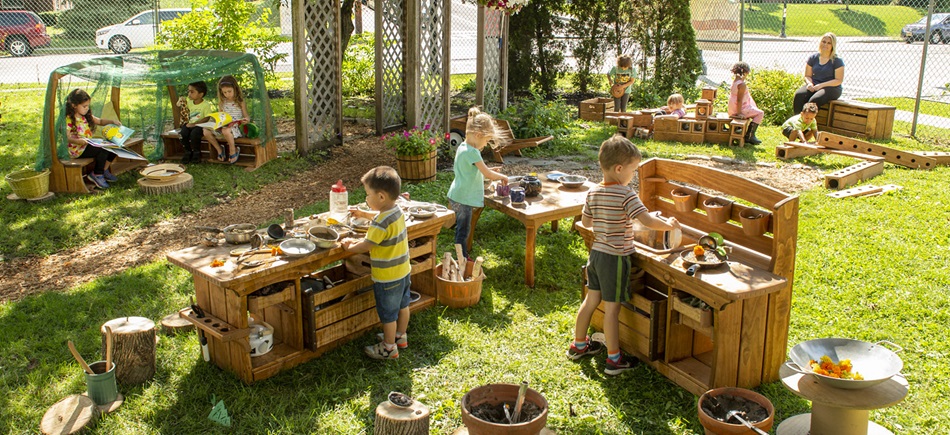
column 98, row 180
column 616, row 368
column 401, row 342
column 378, row 351
column 593, row 347
column 109, row 177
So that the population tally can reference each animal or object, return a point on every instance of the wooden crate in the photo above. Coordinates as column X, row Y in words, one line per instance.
column 642, row 322
column 860, row 119
column 593, row 109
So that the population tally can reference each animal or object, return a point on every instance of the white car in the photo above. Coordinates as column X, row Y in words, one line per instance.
column 136, row 32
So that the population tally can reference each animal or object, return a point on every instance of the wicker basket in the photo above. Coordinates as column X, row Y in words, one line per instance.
column 28, row 184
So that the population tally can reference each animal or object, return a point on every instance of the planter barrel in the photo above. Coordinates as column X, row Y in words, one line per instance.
column 417, row 169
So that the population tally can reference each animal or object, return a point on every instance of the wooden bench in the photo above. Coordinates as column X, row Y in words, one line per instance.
column 856, row 119
column 252, row 153
column 74, row 170
column 505, row 142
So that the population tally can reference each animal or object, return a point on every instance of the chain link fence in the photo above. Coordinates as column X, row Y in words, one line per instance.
column 889, row 56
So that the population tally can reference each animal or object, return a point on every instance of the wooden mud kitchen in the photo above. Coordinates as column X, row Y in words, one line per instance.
column 738, row 336
column 306, row 322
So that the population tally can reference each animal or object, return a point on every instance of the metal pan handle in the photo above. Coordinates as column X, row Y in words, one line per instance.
column 895, row 349
column 796, row 368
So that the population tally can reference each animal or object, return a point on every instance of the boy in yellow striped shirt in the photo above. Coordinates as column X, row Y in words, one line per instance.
column 388, row 249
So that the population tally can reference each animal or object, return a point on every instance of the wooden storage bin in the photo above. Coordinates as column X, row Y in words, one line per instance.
column 256, row 304
column 593, row 109
column 860, row 119
column 696, row 318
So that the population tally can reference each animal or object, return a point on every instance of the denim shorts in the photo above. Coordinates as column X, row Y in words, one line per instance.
column 391, row 297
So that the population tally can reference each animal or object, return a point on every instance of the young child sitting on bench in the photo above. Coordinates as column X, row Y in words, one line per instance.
column 80, row 124
column 231, row 102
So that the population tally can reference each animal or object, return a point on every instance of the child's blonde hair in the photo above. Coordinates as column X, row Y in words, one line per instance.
column 675, row 99
column 480, row 122
column 231, row 82
column 624, row 61
column 617, row 150
column 810, row 108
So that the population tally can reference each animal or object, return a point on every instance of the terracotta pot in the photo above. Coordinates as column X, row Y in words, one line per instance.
column 495, row 394
column 754, row 221
column 684, row 199
column 718, row 210
column 716, row 427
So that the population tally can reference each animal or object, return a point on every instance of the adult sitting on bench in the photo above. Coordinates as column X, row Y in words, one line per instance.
column 80, row 124
column 824, row 73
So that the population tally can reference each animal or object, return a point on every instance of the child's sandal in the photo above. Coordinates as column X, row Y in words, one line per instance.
column 233, row 158
column 221, row 156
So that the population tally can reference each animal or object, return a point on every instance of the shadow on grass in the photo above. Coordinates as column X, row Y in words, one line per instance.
column 862, row 21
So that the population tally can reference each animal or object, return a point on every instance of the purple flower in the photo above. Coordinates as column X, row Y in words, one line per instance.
column 406, row 134
column 427, row 126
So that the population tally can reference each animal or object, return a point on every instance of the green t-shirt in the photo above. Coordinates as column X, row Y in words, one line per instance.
column 201, row 110
column 619, row 76
column 797, row 123
column 468, row 187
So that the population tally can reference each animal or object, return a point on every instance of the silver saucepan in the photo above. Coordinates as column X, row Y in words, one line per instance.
column 234, row 234
column 873, row 361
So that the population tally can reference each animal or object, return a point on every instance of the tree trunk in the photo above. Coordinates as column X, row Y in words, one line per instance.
column 133, row 349
column 393, row 420
column 346, row 24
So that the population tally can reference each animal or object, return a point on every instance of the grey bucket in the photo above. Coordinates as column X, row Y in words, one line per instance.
column 101, row 386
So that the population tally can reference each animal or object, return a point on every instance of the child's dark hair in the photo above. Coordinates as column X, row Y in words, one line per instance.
column 75, row 98
column 810, row 108
column 624, row 61
column 229, row 81
column 383, row 179
column 617, row 150
column 740, row 68
column 200, row 86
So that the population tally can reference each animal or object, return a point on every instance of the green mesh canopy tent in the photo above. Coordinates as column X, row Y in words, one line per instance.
column 141, row 90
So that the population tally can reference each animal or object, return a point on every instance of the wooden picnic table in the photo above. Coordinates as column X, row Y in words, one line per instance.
column 555, row 202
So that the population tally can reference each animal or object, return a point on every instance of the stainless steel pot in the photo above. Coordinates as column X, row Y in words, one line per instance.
column 234, row 234
column 873, row 361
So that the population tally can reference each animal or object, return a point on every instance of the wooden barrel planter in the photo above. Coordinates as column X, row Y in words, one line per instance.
column 417, row 169
column 458, row 294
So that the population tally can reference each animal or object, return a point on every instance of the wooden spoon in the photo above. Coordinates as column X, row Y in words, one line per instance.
column 82, row 362
column 108, row 348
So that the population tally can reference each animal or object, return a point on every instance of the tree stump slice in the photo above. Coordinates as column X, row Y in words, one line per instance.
column 106, row 408
column 464, row 431
column 70, row 415
column 133, row 349
column 174, row 324
column 176, row 184
column 393, row 420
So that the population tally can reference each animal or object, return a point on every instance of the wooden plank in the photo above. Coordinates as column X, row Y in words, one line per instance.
column 359, row 322
column 695, row 370
column 752, row 341
column 823, row 149
column 867, row 190
column 853, row 174
column 221, row 354
column 941, row 157
column 239, row 350
column 891, row 155
column 345, row 308
column 785, row 152
column 726, row 338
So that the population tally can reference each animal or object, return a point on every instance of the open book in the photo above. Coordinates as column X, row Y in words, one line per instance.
column 118, row 150
column 117, row 134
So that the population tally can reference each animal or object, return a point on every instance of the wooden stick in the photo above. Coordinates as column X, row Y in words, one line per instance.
column 108, row 348
column 446, row 265
column 461, row 261
column 520, row 401
column 82, row 362
column 477, row 268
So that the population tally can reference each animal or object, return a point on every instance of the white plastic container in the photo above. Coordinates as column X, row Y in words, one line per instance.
column 339, row 201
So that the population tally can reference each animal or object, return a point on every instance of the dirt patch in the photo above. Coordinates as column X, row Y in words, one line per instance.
column 362, row 151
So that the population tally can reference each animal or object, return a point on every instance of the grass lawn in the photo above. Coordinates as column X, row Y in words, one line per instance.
column 934, row 108
column 870, row 269
column 816, row 19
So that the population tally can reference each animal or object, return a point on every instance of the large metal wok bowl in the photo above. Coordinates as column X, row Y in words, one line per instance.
column 873, row 361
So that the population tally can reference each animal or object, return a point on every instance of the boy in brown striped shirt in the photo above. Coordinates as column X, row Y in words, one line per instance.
column 609, row 210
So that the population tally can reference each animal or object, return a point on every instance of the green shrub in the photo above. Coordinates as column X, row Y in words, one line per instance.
column 359, row 66
column 534, row 116
column 49, row 17
column 774, row 92
column 469, row 86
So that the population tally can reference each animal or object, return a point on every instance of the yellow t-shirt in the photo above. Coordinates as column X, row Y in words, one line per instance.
column 389, row 255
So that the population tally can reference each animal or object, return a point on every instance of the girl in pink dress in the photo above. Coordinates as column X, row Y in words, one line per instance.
column 741, row 104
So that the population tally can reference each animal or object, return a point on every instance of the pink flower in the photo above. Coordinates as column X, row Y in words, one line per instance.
column 432, row 141
column 448, row 136
column 406, row 134
column 427, row 126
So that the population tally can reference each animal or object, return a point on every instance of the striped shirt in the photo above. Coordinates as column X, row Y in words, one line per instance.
column 612, row 208
column 389, row 255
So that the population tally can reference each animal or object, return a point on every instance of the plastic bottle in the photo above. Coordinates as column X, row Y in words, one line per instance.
column 339, row 201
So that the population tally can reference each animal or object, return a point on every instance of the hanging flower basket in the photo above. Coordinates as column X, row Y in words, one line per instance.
column 509, row 7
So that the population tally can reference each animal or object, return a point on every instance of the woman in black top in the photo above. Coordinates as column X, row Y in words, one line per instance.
column 824, row 72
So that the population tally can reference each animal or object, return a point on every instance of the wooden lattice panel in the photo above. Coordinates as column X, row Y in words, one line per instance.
column 324, row 114
column 432, row 64
column 390, row 49
column 494, row 32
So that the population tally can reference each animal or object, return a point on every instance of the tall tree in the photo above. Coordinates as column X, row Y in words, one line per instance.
column 535, row 56
column 664, row 31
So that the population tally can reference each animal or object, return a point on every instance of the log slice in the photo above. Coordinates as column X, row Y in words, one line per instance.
column 70, row 415
column 394, row 420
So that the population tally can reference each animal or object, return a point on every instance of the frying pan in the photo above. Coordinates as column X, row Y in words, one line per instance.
column 873, row 361
column 709, row 260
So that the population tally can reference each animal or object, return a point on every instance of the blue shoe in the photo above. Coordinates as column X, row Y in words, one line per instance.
column 98, row 180
column 109, row 177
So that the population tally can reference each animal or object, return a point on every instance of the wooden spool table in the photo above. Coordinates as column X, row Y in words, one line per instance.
column 134, row 348
column 837, row 411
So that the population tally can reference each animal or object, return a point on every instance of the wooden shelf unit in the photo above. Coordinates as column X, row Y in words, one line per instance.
column 300, row 332
column 742, row 340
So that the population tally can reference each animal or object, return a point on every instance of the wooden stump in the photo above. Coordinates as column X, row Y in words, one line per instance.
column 133, row 349
column 173, row 324
column 70, row 415
column 172, row 185
column 393, row 420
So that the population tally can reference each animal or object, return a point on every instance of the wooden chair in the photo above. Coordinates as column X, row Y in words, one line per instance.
column 505, row 142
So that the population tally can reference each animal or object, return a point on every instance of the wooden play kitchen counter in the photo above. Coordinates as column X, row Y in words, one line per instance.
column 741, row 340
column 555, row 202
column 305, row 324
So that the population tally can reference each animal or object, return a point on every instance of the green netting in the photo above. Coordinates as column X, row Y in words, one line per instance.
column 145, row 104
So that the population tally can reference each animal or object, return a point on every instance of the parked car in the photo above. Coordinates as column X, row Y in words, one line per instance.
column 939, row 29
column 21, row 32
column 136, row 32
